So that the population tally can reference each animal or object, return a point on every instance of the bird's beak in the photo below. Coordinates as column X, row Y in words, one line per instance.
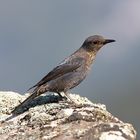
column 108, row 41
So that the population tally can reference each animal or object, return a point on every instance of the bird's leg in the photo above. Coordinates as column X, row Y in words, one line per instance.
column 68, row 96
column 75, row 104
column 60, row 95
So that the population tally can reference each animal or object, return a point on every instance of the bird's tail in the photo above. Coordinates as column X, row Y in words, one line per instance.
column 23, row 104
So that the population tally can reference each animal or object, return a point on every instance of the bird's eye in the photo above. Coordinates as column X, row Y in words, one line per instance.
column 96, row 42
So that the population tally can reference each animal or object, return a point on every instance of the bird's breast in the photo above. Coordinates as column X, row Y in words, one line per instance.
column 90, row 57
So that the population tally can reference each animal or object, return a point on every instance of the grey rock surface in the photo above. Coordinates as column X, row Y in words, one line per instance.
column 49, row 118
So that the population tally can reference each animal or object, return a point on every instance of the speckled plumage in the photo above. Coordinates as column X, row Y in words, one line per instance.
column 70, row 72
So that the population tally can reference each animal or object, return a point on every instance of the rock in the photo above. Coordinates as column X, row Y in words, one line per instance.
column 49, row 118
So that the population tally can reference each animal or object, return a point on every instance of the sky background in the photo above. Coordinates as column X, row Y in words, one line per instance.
column 36, row 35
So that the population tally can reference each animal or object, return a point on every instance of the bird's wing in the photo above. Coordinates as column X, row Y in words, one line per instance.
column 63, row 68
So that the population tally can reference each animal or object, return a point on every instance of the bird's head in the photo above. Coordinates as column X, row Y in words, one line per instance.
column 94, row 43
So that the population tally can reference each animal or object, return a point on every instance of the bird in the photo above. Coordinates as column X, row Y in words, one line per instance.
column 70, row 72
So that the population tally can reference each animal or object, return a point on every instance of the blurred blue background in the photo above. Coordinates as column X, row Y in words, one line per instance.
column 36, row 35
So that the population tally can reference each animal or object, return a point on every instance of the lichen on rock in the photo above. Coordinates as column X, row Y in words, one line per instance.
column 49, row 118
